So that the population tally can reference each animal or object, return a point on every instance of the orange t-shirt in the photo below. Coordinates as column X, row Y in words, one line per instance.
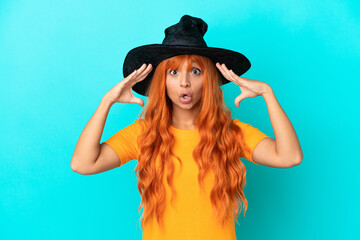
column 192, row 216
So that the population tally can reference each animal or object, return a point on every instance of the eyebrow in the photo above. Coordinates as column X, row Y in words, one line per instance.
column 195, row 65
column 192, row 63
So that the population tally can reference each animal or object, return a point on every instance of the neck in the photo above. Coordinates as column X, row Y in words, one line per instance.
column 183, row 118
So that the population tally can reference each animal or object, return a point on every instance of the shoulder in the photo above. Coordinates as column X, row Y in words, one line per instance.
column 139, row 123
column 242, row 125
column 132, row 129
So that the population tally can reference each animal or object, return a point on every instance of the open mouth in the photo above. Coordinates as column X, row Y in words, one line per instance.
column 185, row 98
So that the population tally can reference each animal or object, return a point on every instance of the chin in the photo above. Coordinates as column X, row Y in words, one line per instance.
column 188, row 106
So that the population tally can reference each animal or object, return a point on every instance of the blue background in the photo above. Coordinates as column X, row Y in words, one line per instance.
column 58, row 59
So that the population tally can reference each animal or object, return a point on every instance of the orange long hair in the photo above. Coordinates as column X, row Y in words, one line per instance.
column 220, row 147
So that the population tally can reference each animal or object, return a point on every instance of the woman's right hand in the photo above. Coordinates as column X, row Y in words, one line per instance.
column 122, row 92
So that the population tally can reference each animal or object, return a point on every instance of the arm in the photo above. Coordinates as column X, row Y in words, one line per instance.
column 91, row 157
column 285, row 150
column 88, row 147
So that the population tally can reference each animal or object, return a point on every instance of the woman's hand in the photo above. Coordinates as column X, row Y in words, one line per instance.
column 122, row 92
column 249, row 87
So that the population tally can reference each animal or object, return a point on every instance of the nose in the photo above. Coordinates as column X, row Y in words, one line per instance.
column 185, row 80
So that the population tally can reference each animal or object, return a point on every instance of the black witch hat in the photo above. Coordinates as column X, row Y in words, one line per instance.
column 185, row 37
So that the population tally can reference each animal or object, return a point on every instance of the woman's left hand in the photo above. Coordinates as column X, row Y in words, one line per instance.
column 249, row 87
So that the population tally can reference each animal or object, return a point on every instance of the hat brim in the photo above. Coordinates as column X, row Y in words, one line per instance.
column 155, row 53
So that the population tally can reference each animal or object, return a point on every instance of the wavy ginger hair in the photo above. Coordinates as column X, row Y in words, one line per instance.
column 220, row 146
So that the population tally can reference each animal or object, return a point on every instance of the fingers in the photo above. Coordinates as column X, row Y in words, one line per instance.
column 224, row 71
column 137, row 75
column 137, row 101
column 230, row 75
column 138, row 71
column 142, row 72
column 238, row 99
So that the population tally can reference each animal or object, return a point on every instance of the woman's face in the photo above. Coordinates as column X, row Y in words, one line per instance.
column 179, row 81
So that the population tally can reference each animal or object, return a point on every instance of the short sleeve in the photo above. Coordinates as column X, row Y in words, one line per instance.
column 252, row 136
column 124, row 142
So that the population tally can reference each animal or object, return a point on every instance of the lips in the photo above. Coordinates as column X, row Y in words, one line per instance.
column 185, row 93
column 183, row 99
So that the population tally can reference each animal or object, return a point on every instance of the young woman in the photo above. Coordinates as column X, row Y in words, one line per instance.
column 190, row 176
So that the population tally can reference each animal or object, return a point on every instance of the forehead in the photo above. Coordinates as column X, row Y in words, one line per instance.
column 193, row 63
column 185, row 63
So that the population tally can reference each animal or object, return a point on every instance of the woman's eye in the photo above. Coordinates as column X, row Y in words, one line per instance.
column 198, row 70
